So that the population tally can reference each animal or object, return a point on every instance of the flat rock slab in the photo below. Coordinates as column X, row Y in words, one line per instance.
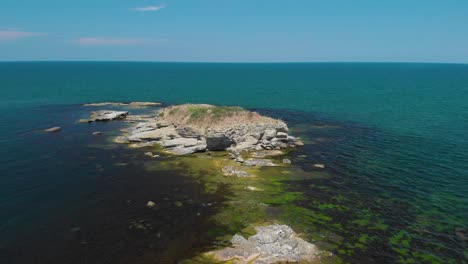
column 53, row 129
column 260, row 163
column 271, row 244
column 106, row 115
column 267, row 153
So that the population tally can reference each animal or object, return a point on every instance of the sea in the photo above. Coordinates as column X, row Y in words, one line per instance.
column 393, row 138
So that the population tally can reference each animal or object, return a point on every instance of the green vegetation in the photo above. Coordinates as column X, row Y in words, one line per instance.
column 215, row 112
column 243, row 208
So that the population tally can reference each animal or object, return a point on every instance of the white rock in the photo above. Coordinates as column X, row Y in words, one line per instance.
column 53, row 129
column 151, row 204
column 320, row 166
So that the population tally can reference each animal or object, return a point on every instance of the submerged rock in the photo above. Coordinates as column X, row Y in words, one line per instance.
column 150, row 154
column 186, row 129
column 260, row 163
column 150, row 204
column 105, row 115
column 319, row 166
column 53, row 129
column 267, row 153
column 252, row 188
column 271, row 244
column 461, row 233
column 234, row 171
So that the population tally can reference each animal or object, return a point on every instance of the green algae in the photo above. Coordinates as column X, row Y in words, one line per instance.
column 205, row 259
column 243, row 209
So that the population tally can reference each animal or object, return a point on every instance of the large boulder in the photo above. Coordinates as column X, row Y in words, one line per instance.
column 218, row 141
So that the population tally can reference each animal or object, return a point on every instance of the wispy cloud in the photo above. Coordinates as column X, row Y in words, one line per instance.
column 106, row 41
column 149, row 8
column 8, row 35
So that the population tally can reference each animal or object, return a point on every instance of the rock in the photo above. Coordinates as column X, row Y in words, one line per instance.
column 259, row 163
column 233, row 153
column 234, row 171
column 151, row 134
column 143, row 104
column 183, row 146
column 286, row 161
column 150, row 154
column 299, row 143
column 269, row 134
column 461, row 233
column 320, row 166
column 106, row 115
column 281, row 135
column 97, row 133
column 267, row 153
column 240, row 159
column 178, row 203
column 53, row 129
column 252, row 188
column 218, row 141
column 150, row 204
column 271, row 244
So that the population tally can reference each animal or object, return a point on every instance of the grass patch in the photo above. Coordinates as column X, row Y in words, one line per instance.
column 215, row 112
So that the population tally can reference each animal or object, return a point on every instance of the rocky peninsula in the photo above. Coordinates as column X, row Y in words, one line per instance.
column 241, row 146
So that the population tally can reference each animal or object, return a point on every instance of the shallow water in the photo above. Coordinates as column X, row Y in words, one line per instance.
column 392, row 136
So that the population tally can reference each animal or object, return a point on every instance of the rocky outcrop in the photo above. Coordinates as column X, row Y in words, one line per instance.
column 186, row 129
column 105, row 115
column 271, row 244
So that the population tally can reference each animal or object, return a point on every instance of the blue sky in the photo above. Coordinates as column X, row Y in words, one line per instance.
column 235, row 30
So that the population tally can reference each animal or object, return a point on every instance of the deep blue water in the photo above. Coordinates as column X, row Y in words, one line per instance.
column 394, row 137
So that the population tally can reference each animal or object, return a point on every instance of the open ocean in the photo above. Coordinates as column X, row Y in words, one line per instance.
column 394, row 138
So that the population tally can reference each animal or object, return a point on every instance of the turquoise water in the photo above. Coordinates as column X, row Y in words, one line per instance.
column 395, row 140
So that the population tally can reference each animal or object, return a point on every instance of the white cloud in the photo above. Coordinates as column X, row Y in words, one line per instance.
column 7, row 35
column 149, row 8
column 106, row 41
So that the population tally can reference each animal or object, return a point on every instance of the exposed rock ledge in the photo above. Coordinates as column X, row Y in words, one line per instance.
column 132, row 104
column 271, row 244
column 105, row 115
column 190, row 128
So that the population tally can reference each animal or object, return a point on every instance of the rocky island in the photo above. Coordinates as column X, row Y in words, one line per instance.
column 190, row 128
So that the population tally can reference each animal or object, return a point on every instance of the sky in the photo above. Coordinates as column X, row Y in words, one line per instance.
column 235, row 30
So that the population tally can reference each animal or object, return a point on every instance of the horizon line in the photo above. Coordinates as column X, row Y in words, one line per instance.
column 231, row 62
